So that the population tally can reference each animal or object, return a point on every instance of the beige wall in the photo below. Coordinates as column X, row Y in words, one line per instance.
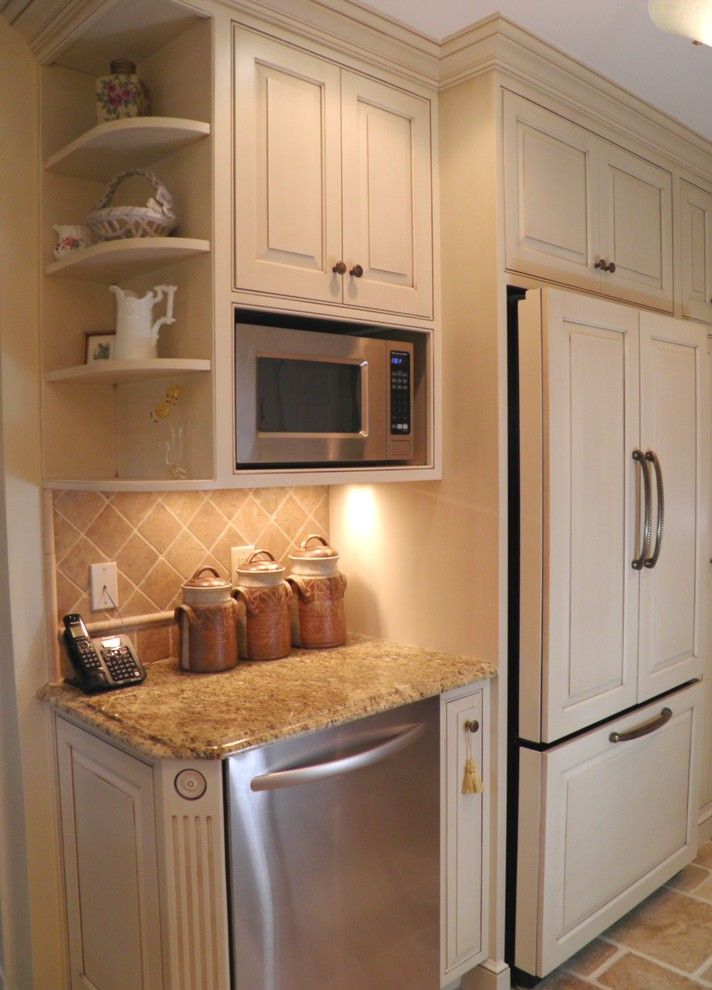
column 29, row 864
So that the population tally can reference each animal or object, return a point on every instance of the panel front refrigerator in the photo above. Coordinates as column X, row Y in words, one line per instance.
column 609, row 468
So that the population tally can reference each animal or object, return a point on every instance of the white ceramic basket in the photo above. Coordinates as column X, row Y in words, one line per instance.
column 156, row 219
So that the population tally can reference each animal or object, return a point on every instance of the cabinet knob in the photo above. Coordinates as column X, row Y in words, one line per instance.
column 472, row 725
column 339, row 268
column 605, row 266
column 611, row 266
column 356, row 271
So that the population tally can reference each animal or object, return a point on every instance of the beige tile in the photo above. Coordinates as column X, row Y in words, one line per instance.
column 136, row 558
column 231, row 537
column 705, row 892
column 183, row 505
column 162, row 584
column 75, row 565
column 68, row 594
column 688, row 878
column 153, row 643
column 134, row 506
column 229, row 500
column 291, row 517
column 109, row 531
column 185, row 553
column 207, row 524
column 310, row 496
column 270, row 498
column 126, row 588
column 274, row 540
column 80, row 508
column 321, row 515
column 160, row 528
column 631, row 972
column 561, row 980
column 65, row 536
column 669, row 926
column 707, row 975
column 138, row 604
column 251, row 520
column 704, row 855
column 591, row 958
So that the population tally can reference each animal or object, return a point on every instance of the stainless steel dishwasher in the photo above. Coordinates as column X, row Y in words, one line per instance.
column 334, row 857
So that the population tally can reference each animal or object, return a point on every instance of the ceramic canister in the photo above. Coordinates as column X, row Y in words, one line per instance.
column 264, row 631
column 318, row 618
column 207, row 624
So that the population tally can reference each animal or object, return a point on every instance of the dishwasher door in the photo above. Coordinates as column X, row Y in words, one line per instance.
column 333, row 845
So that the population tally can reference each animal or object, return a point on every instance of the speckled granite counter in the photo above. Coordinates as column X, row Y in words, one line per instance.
column 208, row 716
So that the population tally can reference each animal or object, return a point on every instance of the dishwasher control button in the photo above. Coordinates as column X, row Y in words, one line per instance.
column 190, row 784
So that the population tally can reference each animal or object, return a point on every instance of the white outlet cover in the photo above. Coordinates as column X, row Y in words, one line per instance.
column 104, row 587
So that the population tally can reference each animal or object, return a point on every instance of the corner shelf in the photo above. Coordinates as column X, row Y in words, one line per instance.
column 122, row 372
column 113, row 260
column 134, row 142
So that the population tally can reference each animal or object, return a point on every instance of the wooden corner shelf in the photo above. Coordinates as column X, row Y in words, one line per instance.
column 112, row 260
column 134, row 142
column 123, row 372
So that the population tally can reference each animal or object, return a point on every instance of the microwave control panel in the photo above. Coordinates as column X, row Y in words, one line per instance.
column 400, row 393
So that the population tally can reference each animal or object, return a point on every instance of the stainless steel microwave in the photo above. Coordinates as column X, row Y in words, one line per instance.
column 313, row 398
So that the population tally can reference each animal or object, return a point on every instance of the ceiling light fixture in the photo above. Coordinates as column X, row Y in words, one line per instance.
column 689, row 18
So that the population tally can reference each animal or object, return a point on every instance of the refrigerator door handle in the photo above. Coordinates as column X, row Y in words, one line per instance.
column 644, row 728
column 292, row 777
column 640, row 561
column 651, row 456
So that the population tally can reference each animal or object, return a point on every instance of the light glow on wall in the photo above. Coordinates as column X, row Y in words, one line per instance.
column 362, row 511
column 689, row 18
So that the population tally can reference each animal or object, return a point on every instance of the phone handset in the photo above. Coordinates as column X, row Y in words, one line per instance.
column 100, row 664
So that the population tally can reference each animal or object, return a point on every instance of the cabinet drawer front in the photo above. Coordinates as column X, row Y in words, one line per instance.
column 617, row 818
column 696, row 224
column 287, row 169
column 550, row 225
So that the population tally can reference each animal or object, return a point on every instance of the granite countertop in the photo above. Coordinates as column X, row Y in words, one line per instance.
column 208, row 716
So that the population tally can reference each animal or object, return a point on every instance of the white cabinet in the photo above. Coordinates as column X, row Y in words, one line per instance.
column 333, row 193
column 696, row 253
column 582, row 211
column 110, row 865
column 464, row 730
column 598, row 383
column 604, row 819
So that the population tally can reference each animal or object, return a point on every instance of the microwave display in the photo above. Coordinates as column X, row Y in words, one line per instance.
column 298, row 395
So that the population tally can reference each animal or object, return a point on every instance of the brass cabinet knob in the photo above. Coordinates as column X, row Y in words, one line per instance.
column 611, row 266
column 472, row 725
column 356, row 271
column 339, row 268
column 605, row 266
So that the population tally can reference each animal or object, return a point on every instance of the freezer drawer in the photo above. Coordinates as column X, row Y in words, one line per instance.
column 602, row 824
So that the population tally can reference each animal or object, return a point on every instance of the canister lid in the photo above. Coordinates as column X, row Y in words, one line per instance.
column 261, row 562
column 122, row 66
column 212, row 581
column 314, row 547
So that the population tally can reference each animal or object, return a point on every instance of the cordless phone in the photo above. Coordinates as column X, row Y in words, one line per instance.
column 100, row 664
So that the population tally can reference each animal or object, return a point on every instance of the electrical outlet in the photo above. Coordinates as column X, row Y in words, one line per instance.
column 104, row 587
column 237, row 555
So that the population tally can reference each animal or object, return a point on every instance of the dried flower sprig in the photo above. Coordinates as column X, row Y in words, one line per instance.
column 164, row 408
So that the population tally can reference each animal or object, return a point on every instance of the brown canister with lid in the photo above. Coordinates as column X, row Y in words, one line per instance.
column 318, row 604
column 263, row 627
column 207, row 624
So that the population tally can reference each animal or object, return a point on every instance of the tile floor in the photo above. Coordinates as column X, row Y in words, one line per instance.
column 663, row 944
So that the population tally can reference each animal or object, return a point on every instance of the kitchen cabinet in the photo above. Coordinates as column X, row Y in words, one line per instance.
column 696, row 251
column 464, row 831
column 600, row 383
column 333, row 184
column 604, row 820
column 604, row 224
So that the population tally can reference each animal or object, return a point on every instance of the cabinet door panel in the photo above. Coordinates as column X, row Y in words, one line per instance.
column 387, row 195
column 674, row 387
column 287, row 170
column 635, row 227
column 591, row 419
column 617, row 819
column 549, row 167
column 696, row 223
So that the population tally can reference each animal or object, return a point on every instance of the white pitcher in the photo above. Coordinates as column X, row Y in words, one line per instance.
column 136, row 335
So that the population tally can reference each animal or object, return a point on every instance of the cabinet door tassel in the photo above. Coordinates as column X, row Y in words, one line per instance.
column 471, row 780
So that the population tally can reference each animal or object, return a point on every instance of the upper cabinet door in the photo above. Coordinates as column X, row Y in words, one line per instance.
column 387, row 198
column 674, row 427
column 550, row 180
column 696, row 224
column 287, row 170
column 590, row 611
column 635, row 227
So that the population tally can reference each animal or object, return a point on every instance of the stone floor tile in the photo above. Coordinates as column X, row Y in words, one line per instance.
column 561, row 980
column 704, row 855
column 631, row 972
column 704, row 890
column 591, row 957
column 688, row 878
column 670, row 927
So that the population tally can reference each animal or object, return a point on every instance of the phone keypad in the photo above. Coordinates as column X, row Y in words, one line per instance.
column 121, row 664
column 90, row 658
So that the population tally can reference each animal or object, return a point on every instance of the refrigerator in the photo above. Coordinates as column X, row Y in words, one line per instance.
column 608, row 465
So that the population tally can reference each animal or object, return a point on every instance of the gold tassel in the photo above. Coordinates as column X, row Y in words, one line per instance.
column 471, row 780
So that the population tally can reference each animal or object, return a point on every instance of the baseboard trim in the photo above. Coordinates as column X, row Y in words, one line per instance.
column 492, row 974
column 704, row 827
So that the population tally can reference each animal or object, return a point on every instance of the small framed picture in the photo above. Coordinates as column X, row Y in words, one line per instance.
column 98, row 345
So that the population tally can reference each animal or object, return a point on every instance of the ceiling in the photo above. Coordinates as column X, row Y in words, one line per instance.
column 615, row 37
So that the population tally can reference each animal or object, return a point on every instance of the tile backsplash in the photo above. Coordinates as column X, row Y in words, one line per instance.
column 158, row 539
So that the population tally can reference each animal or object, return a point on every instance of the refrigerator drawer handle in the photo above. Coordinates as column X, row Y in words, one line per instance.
column 639, row 562
column 651, row 456
column 402, row 736
column 644, row 728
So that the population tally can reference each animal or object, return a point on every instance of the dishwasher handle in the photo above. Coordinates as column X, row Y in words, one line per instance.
column 396, row 740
